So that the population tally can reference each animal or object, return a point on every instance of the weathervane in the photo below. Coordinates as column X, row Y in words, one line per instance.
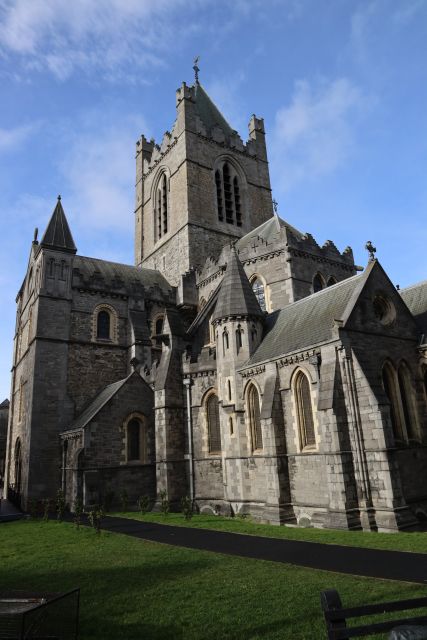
column 196, row 69
column 371, row 249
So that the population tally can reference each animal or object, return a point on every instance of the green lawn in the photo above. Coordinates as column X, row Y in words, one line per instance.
column 131, row 589
column 415, row 542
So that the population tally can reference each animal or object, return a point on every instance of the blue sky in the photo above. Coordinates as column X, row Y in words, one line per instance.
column 342, row 85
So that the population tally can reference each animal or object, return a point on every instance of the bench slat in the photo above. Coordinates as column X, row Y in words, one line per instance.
column 370, row 609
column 378, row 627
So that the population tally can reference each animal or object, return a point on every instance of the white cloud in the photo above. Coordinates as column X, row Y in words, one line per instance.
column 12, row 139
column 314, row 135
column 98, row 170
column 115, row 37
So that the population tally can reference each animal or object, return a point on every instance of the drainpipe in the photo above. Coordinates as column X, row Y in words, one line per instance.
column 187, row 384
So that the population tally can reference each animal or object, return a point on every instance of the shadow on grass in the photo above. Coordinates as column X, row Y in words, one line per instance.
column 111, row 599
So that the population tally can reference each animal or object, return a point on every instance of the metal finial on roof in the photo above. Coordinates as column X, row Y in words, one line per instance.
column 36, row 233
column 371, row 250
column 59, row 198
column 196, row 69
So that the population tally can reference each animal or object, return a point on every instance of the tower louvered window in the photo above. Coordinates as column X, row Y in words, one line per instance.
column 219, row 195
column 254, row 417
column 236, row 193
column 214, row 430
column 228, row 194
column 162, row 207
column 305, row 412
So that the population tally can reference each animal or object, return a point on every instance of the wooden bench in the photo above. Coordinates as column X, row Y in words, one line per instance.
column 336, row 616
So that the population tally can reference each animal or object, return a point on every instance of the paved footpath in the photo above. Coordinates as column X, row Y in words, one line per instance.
column 391, row 565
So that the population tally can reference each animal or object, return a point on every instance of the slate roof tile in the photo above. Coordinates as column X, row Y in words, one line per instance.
column 58, row 234
column 305, row 323
column 236, row 297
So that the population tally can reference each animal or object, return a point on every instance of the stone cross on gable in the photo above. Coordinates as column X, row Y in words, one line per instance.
column 371, row 250
column 275, row 205
column 196, row 69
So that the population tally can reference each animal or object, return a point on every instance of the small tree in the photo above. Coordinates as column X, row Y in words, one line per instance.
column 124, row 498
column 46, row 509
column 187, row 507
column 164, row 502
column 78, row 512
column 60, row 505
column 95, row 516
column 143, row 503
column 33, row 508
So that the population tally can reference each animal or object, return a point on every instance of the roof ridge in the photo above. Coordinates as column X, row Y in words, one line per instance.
column 412, row 286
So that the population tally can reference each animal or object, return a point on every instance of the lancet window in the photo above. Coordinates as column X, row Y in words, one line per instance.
column 228, row 194
column 213, row 424
column 162, row 207
column 258, row 288
column 307, row 434
column 253, row 409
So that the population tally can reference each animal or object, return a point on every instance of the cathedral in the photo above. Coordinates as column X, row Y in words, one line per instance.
column 237, row 362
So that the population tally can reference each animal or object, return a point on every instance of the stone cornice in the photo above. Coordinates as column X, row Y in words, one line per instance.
column 300, row 253
column 211, row 278
column 295, row 358
column 253, row 371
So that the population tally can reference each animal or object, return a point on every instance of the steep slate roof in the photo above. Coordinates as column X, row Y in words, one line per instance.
column 90, row 267
column 5, row 404
column 415, row 298
column 236, row 297
column 58, row 234
column 307, row 322
column 208, row 112
column 267, row 231
column 96, row 405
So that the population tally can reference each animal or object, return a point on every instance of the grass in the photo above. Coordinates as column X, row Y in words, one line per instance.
column 132, row 589
column 414, row 542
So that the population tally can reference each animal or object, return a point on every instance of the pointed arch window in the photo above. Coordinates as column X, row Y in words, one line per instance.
column 225, row 343
column 253, row 409
column 307, row 434
column 318, row 283
column 406, row 395
column 239, row 339
column 228, row 194
column 161, row 204
column 389, row 384
column 331, row 281
column 258, row 287
column 213, row 424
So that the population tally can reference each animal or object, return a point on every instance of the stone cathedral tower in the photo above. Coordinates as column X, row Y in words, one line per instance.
column 199, row 188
